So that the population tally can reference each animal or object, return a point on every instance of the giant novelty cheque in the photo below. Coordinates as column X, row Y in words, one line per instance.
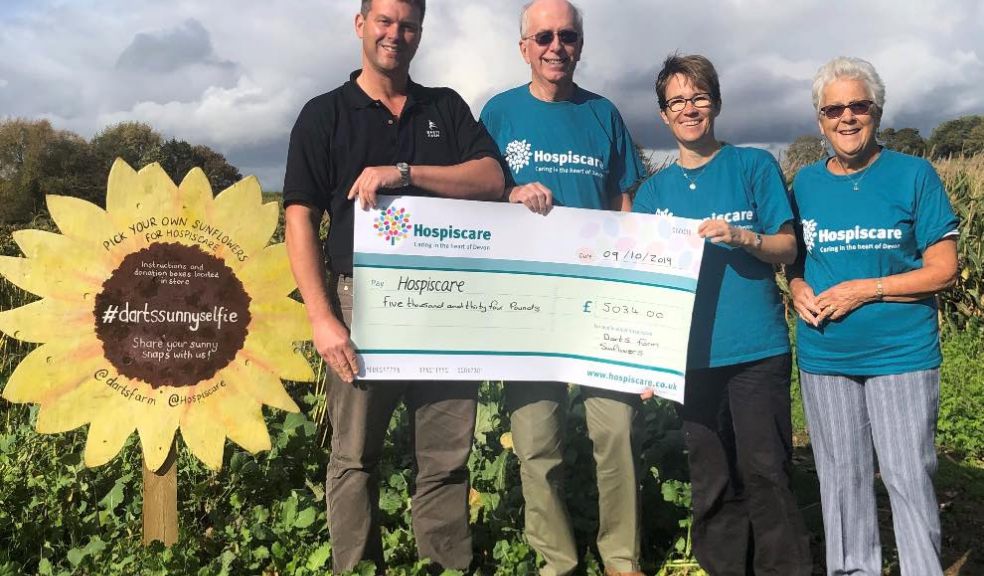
column 462, row 290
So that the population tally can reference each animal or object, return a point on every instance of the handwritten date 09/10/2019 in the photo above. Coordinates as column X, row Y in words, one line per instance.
column 638, row 257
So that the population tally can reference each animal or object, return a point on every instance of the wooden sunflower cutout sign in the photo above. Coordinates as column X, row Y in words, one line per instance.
column 166, row 311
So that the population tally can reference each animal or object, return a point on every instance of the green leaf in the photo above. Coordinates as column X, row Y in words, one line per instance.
column 390, row 501
column 75, row 555
column 305, row 518
column 115, row 495
column 318, row 558
column 44, row 567
column 288, row 513
column 95, row 546
column 293, row 421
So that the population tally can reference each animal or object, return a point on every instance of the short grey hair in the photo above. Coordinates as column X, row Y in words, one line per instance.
column 524, row 21
column 844, row 67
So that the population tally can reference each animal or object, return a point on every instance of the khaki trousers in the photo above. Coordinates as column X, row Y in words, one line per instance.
column 442, row 424
column 538, row 411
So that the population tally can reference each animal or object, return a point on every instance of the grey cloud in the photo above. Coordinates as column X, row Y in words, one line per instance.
column 169, row 50
column 173, row 65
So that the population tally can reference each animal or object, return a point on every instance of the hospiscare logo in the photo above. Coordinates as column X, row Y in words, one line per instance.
column 813, row 235
column 393, row 225
column 519, row 152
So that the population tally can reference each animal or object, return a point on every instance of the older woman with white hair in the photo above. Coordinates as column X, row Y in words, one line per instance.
column 880, row 241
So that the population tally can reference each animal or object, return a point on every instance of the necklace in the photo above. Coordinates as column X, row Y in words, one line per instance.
column 693, row 181
column 856, row 184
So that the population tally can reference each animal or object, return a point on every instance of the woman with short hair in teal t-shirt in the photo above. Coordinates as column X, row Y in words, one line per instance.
column 736, row 411
column 879, row 241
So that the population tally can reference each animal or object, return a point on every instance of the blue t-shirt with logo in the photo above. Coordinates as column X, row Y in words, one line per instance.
column 899, row 209
column 738, row 312
column 578, row 148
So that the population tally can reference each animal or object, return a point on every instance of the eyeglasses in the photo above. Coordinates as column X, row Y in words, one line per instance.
column 858, row 108
column 698, row 100
column 546, row 37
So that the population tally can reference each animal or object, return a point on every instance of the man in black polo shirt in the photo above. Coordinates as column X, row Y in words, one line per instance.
column 381, row 133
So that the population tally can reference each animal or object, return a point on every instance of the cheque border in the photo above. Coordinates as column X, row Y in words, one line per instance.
column 524, row 354
column 522, row 267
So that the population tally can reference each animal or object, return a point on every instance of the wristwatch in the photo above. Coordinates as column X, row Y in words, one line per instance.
column 404, row 169
column 758, row 241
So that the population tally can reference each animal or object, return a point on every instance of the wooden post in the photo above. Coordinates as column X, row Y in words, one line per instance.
column 160, row 507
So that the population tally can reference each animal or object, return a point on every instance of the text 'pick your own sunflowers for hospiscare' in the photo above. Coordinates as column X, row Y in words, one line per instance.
column 166, row 311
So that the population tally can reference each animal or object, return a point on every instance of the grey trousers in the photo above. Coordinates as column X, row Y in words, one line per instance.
column 538, row 412
column 897, row 415
column 442, row 420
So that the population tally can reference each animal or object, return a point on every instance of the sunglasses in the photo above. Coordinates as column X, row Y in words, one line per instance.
column 858, row 108
column 546, row 37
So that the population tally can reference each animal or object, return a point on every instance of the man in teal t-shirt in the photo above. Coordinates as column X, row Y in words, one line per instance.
column 565, row 146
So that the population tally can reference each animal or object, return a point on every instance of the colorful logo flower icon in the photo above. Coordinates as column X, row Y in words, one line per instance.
column 393, row 225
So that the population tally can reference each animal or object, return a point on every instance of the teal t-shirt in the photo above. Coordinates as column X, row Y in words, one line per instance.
column 899, row 209
column 579, row 148
column 738, row 312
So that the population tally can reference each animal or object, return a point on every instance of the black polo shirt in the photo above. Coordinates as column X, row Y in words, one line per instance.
column 343, row 131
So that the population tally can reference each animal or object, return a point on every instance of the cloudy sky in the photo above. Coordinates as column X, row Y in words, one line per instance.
column 234, row 73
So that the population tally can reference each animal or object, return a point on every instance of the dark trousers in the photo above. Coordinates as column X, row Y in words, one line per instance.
column 738, row 432
column 442, row 420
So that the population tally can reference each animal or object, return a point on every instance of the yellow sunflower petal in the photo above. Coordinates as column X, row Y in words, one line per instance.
column 52, row 370
column 64, row 256
column 194, row 196
column 48, row 319
column 242, row 231
column 156, row 437
column 275, row 355
column 264, row 386
column 204, row 435
column 122, row 188
column 107, row 435
column 78, row 219
column 244, row 423
column 75, row 408
column 252, row 233
column 132, row 197
column 268, row 273
column 284, row 316
column 30, row 275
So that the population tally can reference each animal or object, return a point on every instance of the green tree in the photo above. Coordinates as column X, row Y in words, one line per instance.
column 953, row 138
column 975, row 140
column 905, row 140
column 127, row 140
column 70, row 168
column 22, row 150
column 178, row 157
column 804, row 150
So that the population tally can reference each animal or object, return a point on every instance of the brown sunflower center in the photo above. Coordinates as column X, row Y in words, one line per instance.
column 172, row 315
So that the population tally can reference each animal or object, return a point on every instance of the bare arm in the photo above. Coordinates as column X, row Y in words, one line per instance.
column 778, row 248
column 331, row 337
column 938, row 272
column 479, row 179
column 621, row 203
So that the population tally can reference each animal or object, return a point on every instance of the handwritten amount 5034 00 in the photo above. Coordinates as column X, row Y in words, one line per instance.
column 638, row 257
